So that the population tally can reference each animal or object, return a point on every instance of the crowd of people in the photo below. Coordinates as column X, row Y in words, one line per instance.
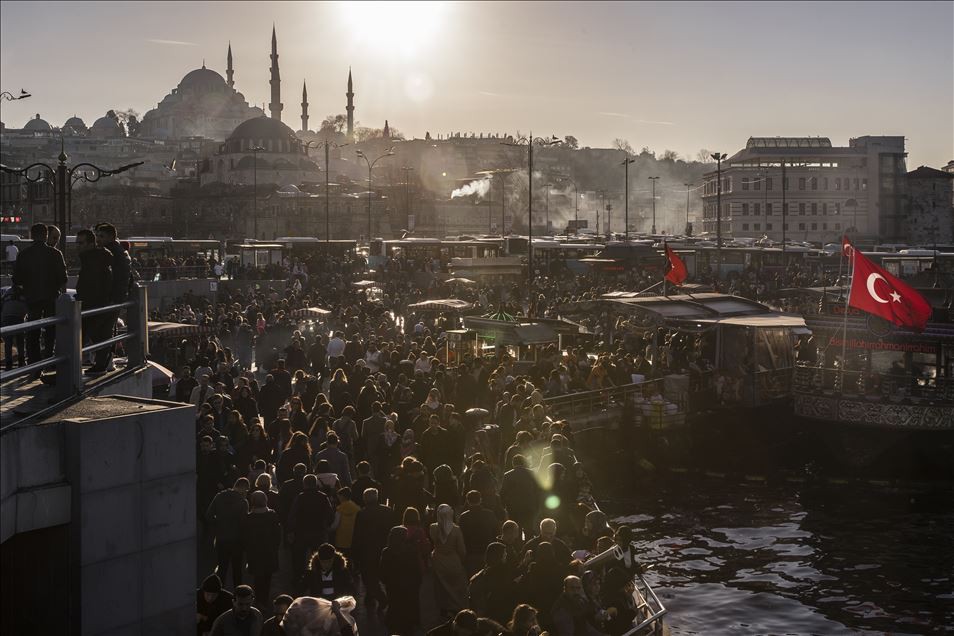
column 351, row 461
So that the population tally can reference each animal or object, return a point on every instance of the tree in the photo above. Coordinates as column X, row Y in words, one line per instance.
column 704, row 155
column 622, row 144
column 571, row 142
column 670, row 155
column 335, row 123
column 646, row 152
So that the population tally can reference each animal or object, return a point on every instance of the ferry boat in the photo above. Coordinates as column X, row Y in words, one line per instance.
column 880, row 394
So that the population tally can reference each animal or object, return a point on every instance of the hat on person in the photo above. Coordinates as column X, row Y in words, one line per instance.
column 326, row 551
column 212, row 583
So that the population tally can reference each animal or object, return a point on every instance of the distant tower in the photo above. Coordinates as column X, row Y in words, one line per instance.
column 228, row 70
column 387, row 130
column 304, row 107
column 350, row 108
column 275, row 107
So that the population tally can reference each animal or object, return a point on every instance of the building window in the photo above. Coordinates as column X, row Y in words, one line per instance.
column 745, row 206
column 814, row 226
column 785, row 208
column 768, row 209
column 837, row 226
column 756, row 184
column 837, row 208
column 801, row 209
column 758, row 226
column 824, row 183
column 801, row 226
column 825, row 209
column 768, row 183
column 814, row 183
column 757, row 210
column 745, row 227
column 824, row 226
column 801, row 183
column 785, row 227
column 745, row 183
column 768, row 226
column 856, row 183
column 838, row 184
column 864, row 184
column 814, row 209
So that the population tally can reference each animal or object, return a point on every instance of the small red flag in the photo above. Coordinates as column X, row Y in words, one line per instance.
column 877, row 292
column 676, row 271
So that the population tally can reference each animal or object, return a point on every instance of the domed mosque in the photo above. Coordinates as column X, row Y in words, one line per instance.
column 280, row 155
column 38, row 127
column 74, row 126
column 203, row 105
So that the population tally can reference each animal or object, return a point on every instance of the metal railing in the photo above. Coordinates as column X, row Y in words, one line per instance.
column 855, row 383
column 69, row 349
column 584, row 402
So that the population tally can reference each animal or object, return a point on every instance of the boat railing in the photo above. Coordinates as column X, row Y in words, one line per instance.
column 895, row 388
column 587, row 402
column 649, row 609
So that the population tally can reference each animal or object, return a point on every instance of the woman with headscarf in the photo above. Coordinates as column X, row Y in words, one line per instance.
column 408, row 444
column 387, row 452
column 401, row 574
column 447, row 561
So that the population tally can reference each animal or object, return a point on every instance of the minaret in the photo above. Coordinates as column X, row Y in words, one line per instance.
column 304, row 107
column 387, row 130
column 275, row 107
column 350, row 107
column 228, row 69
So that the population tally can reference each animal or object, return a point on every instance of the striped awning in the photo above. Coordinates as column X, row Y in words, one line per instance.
column 177, row 329
column 312, row 313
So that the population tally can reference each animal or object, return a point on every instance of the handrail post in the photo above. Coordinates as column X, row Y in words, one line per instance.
column 138, row 316
column 69, row 344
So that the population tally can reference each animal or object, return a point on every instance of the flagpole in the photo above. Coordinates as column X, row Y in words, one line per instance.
column 666, row 250
column 844, row 329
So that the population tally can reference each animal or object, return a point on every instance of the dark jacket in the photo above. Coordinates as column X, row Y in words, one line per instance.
column 493, row 593
column 226, row 513
column 371, row 527
column 95, row 278
column 41, row 271
column 479, row 526
column 311, row 515
column 341, row 583
column 261, row 535
column 122, row 272
column 521, row 494
column 338, row 462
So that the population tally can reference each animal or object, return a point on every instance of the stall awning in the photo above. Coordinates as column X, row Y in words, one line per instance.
column 176, row 329
column 766, row 320
column 314, row 313
column 442, row 304
column 534, row 334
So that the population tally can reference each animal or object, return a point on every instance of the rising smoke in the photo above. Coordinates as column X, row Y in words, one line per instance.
column 480, row 187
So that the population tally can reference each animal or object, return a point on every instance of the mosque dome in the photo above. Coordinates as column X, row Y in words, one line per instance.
column 38, row 125
column 75, row 122
column 106, row 127
column 202, row 79
column 269, row 134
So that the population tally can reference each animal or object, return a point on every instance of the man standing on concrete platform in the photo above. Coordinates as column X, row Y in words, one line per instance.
column 41, row 272
column 242, row 619
column 93, row 288
column 226, row 514
column 119, row 291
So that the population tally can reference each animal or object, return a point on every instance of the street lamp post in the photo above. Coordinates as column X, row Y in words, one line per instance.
column 719, row 156
column 548, row 186
column 784, row 213
column 576, row 201
column 388, row 153
column 327, row 143
column 10, row 97
column 625, row 165
column 654, row 179
column 63, row 180
column 255, row 151
column 407, row 196
column 687, row 206
column 531, row 141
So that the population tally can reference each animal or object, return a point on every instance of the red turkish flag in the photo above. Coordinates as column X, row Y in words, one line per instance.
column 676, row 271
column 877, row 292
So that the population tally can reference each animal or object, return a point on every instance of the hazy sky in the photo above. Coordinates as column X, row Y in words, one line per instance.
column 671, row 75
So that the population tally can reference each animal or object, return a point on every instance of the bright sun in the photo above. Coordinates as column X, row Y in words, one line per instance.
column 395, row 27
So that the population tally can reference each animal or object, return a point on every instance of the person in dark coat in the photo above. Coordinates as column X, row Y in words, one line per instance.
column 308, row 522
column 261, row 536
column 328, row 576
column 371, row 429
column 479, row 526
column 492, row 592
column 436, row 445
column 371, row 527
column 211, row 601
column 465, row 622
column 119, row 290
column 298, row 451
column 272, row 626
column 225, row 515
column 618, row 595
column 401, row 574
column 520, row 493
column 336, row 459
column 288, row 492
column 40, row 271
column 363, row 482
column 270, row 398
column 543, row 582
column 93, row 287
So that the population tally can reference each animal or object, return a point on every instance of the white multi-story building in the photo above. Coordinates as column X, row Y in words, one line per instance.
column 827, row 190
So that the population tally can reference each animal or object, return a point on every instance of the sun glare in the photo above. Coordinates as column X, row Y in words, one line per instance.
column 395, row 27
